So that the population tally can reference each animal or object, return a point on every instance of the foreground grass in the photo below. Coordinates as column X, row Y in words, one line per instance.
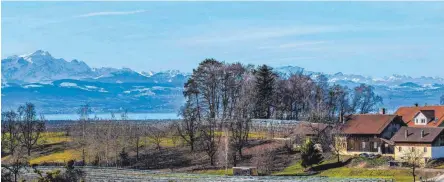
column 399, row 175
column 60, row 157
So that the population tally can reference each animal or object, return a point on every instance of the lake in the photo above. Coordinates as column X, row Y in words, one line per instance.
column 131, row 116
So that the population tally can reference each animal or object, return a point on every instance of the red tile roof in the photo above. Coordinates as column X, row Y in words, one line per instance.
column 367, row 123
column 408, row 113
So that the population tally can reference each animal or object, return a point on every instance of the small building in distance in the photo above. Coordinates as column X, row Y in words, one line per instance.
column 369, row 133
column 311, row 131
column 426, row 142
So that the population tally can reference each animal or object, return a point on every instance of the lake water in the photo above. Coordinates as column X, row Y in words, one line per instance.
column 131, row 116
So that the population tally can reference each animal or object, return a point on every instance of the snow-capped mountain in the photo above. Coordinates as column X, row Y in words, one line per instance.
column 341, row 78
column 41, row 67
column 59, row 86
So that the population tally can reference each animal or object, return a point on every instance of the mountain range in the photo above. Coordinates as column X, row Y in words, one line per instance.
column 61, row 86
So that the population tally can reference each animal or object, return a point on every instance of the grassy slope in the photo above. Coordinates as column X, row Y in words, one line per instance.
column 401, row 175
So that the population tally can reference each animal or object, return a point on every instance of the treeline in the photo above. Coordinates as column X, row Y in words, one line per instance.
column 225, row 97
column 223, row 91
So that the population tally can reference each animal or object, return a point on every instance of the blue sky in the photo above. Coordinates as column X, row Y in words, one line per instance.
column 369, row 38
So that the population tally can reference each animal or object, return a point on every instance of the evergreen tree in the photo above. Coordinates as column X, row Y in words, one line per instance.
column 265, row 80
column 310, row 155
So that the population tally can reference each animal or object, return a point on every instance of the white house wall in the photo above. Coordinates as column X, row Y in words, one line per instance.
column 420, row 116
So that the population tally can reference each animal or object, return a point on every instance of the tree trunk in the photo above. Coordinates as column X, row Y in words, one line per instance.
column 137, row 149
column 83, row 155
column 339, row 160
column 29, row 151
column 240, row 152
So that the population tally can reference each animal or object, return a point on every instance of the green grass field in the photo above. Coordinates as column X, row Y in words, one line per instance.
column 400, row 175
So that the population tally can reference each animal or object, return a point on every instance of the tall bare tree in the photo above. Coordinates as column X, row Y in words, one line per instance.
column 188, row 126
column 10, row 131
column 84, row 112
column 210, row 138
column 30, row 127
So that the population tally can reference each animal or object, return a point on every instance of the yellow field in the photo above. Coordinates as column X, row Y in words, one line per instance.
column 53, row 138
column 60, row 157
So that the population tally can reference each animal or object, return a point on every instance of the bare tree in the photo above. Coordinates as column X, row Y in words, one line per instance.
column 414, row 158
column 84, row 112
column 240, row 128
column 188, row 127
column 14, row 166
column 337, row 140
column 10, row 131
column 156, row 134
column 210, row 139
column 30, row 127
column 364, row 99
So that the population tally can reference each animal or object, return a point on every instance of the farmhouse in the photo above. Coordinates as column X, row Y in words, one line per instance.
column 425, row 116
column 369, row 133
column 426, row 142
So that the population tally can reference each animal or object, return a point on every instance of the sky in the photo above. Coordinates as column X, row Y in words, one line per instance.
column 368, row 38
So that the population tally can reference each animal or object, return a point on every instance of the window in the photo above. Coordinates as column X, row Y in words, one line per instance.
column 422, row 120
column 375, row 145
column 399, row 149
column 363, row 145
column 416, row 120
column 425, row 149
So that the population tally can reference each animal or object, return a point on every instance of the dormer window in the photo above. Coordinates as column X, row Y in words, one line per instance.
column 423, row 121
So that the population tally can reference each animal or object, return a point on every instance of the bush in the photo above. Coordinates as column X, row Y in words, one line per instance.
column 124, row 158
column 310, row 155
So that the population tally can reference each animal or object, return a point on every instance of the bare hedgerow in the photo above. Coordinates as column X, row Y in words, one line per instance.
column 263, row 158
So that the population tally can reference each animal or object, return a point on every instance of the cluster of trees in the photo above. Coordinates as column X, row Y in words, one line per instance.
column 21, row 131
column 109, row 142
column 225, row 97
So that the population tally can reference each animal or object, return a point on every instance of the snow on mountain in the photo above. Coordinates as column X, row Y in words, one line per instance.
column 43, row 79
column 42, row 67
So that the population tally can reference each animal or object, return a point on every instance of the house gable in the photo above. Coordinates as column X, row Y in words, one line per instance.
column 420, row 119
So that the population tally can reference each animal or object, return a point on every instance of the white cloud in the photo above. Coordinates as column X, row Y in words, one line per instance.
column 107, row 13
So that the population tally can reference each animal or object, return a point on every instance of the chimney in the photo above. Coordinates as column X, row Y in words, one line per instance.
column 382, row 111
column 422, row 133
column 406, row 133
